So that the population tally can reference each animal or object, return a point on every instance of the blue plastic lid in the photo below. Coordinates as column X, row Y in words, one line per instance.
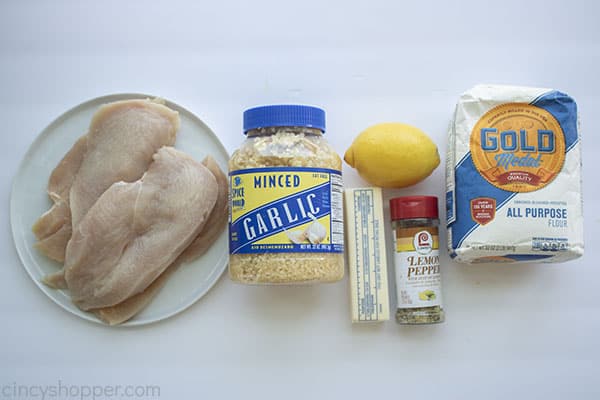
column 284, row 115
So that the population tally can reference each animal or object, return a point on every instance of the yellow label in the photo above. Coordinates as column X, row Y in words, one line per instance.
column 285, row 209
column 406, row 238
column 518, row 147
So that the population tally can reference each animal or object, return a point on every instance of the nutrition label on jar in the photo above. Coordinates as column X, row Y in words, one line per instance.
column 337, row 210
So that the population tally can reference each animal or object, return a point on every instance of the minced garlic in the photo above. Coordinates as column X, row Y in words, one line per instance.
column 283, row 208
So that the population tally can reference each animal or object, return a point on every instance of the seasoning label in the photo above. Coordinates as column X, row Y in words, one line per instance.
column 418, row 279
column 285, row 209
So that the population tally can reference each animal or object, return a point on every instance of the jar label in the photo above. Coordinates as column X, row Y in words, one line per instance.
column 285, row 210
column 418, row 279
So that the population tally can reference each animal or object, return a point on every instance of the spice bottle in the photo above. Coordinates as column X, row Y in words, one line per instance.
column 286, row 217
column 417, row 262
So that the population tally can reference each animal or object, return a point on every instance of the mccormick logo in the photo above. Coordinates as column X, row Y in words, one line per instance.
column 423, row 242
column 518, row 147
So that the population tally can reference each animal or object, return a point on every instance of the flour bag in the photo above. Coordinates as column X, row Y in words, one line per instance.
column 514, row 176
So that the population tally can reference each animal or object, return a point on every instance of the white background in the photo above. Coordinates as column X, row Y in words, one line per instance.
column 523, row 331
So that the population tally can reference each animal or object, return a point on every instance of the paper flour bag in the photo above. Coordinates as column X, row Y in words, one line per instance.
column 514, row 176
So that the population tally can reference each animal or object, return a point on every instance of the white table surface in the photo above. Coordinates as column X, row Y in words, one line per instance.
column 525, row 331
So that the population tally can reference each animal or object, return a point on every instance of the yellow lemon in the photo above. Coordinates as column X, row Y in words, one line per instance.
column 393, row 155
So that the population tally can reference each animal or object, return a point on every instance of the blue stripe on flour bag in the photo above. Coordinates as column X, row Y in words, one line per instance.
column 320, row 198
column 470, row 184
column 564, row 109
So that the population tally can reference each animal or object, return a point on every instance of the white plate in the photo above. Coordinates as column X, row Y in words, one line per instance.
column 29, row 200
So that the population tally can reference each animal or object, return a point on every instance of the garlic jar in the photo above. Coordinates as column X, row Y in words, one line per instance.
column 285, row 205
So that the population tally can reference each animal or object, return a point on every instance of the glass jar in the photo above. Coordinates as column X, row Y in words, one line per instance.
column 286, row 219
column 417, row 261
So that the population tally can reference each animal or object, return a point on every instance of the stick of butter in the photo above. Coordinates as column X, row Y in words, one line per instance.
column 366, row 255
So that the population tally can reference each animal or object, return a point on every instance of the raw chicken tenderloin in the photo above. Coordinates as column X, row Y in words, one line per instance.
column 215, row 224
column 136, row 230
column 119, row 146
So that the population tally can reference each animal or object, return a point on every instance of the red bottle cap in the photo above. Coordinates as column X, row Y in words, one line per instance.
column 413, row 207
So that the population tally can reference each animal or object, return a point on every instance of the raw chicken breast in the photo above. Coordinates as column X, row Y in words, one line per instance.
column 127, row 309
column 122, row 138
column 217, row 219
column 134, row 231
column 119, row 146
column 215, row 224
column 53, row 228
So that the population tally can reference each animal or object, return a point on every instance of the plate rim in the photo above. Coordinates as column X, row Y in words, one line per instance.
column 213, row 278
